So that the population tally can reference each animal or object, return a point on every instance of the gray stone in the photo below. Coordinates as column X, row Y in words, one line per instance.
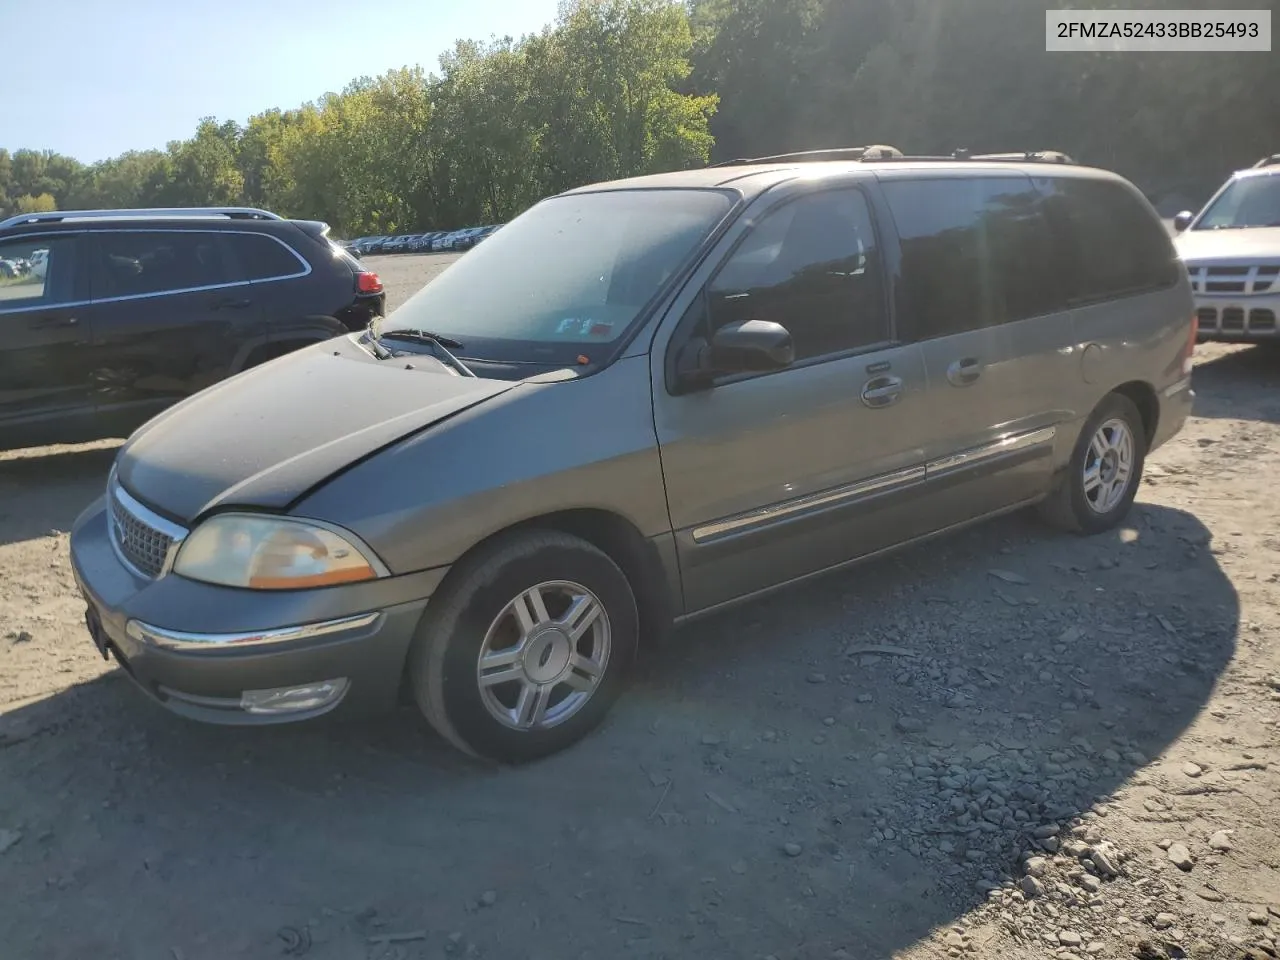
column 1258, row 918
column 792, row 849
column 817, row 678
column 1181, row 857
column 1089, row 882
column 710, row 740
column 909, row 725
column 1045, row 831
column 1037, row 867
column 1163, row 921
column 1031, row 887
column 1106, row 859
column 488, row 898
column 863, row 698
column 1192, row 770
column 1220, row 841
column 9, row 839
column 1069, row 938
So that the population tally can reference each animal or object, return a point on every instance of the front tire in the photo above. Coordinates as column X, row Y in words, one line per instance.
column 1099, row 485
column 526, row 648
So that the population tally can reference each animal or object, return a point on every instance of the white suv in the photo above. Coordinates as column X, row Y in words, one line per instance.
column 1232, row 252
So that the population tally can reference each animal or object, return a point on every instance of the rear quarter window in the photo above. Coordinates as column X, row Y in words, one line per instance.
column 1110, row 244
column 264, row 258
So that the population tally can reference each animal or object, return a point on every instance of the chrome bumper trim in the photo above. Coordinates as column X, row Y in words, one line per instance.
column 208, row 642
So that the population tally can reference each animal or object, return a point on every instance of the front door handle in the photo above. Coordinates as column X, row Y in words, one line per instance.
column 230, row 303
column 882, row 392
column 964, row 372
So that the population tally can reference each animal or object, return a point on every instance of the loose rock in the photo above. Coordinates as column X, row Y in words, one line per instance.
column 1220, row 841
column 909, row 725
column 1192, row 770
column 1181, row 857
column 9, row 839
column 1258, row 919
column 792, row 849
column 1163, row 921
column 1031, row 887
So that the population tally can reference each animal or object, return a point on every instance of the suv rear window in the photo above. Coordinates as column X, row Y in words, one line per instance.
column 1112, row 245
column 976, row 253
column 264, row 258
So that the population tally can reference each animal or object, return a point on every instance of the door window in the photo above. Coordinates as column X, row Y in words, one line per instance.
column 138, row 263
column 812, row 265
column 264, row 258
column 976, row 252
column 36, row 272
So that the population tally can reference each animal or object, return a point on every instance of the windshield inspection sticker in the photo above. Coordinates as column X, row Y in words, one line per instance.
column 601, row 329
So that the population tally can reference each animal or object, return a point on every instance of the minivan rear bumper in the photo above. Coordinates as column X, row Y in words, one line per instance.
column 246, row 657
column 1176, row 402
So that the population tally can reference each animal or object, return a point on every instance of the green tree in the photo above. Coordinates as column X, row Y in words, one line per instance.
column 39, row 204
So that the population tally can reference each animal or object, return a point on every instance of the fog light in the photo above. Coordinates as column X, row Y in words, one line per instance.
column 313, row 696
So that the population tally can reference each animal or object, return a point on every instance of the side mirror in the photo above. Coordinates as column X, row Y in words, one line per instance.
column 1183, row 220
column 748, row 346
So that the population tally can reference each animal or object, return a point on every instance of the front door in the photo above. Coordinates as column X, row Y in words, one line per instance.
column 170, row 313
column 45, row 350
column 772, row 477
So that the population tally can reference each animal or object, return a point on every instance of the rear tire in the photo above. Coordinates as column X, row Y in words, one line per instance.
column 1097, row 489
column 526, row 648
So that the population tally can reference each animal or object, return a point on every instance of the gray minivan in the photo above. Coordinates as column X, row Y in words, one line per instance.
column 637, row 403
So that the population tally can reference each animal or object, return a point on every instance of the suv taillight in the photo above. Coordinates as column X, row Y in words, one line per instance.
column 1188, row 359
column 367, row 282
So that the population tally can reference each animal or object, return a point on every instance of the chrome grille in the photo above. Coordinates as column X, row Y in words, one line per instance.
column 1248, row 280
column 142, row 538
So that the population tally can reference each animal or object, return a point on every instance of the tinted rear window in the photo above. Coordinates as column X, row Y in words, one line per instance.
column 1111, row 244
column 263, row 258
column 975, row 253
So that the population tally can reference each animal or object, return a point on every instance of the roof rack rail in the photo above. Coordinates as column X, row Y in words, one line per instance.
column 55, row 216
column 1270, row 161
column 877, row 151
column 1020, row 156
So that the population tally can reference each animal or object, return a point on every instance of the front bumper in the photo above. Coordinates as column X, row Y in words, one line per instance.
column 231, row 656
column 1251, row 319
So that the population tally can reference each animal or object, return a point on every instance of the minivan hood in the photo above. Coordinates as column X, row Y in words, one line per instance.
column 269, row 435
column 1251, row 243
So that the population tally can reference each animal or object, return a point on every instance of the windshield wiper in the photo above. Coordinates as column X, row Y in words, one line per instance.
column 440, row 343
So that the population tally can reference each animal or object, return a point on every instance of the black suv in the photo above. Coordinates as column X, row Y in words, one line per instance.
column 125, row 312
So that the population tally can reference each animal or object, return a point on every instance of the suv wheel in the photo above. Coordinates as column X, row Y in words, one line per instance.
column 1102, row 478
column 526, row 648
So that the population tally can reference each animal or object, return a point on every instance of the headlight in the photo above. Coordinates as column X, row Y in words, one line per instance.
column 272, row 553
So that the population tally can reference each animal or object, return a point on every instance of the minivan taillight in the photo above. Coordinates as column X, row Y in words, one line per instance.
column 367, row 282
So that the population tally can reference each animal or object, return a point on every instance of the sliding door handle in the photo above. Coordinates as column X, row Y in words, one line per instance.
column 964, row 372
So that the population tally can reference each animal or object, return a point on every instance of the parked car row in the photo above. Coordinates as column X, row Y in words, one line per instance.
column 437, row 241
column 14, row 268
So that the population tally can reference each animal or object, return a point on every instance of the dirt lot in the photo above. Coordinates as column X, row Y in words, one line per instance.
column 857, row 768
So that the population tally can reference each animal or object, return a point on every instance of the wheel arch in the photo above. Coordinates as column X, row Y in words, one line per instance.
column 1144, row 398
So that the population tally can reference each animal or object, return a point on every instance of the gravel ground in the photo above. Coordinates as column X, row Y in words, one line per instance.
column 1006, row 744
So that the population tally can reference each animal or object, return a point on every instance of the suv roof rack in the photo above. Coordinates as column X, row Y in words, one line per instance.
column 1270, row 161
column 1021, row 156
column 884, row 152
column 56, row 216
column 874, row 152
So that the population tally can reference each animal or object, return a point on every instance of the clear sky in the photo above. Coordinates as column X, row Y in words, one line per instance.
column 113, row 75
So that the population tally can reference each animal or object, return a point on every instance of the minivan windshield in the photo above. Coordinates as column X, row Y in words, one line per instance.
column 567, row 278
column 1248, row 202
